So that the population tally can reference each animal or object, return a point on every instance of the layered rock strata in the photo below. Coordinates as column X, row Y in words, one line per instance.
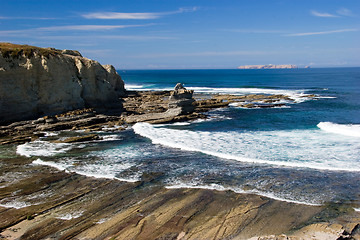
column 36, row 82
column 179, row 103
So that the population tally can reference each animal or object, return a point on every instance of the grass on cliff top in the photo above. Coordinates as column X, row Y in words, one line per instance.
column 15, row 51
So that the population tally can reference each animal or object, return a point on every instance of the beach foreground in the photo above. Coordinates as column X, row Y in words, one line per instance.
column 81, row 207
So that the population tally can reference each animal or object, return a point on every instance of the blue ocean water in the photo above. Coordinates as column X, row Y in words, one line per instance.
column 307, row 152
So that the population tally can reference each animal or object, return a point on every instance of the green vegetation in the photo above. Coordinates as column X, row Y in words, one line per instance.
column 9, row 50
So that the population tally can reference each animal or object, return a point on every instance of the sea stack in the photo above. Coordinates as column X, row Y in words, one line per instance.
column 45, row 81
column 181, row 99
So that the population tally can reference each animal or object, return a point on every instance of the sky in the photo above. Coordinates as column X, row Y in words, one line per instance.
column 190, row 34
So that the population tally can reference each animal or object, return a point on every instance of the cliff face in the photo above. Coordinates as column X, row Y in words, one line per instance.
column 39, row 82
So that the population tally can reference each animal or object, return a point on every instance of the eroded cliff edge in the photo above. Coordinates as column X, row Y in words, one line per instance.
column 37, row 81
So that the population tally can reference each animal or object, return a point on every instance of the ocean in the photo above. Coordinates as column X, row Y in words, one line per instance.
column 307, row 152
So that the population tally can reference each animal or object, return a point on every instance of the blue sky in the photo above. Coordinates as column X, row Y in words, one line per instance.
column 178, row 34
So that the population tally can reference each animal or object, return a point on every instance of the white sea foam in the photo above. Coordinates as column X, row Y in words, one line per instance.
column 58, row 166
column 180, row 124
column 108, row 171
column 15, row 204
column 352, row 130
column 325, row 97
column 289, row 148
column 50, row 134
column 113, row 137
column 239, row 105
column 42, row 148
column 102, row 220
column 69, row 216
column 114, row 128
column 133, row 87
column 296, row 95
column 218, row 187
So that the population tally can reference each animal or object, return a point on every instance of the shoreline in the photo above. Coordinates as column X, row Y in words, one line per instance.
column 146, row 210
column 71, row 205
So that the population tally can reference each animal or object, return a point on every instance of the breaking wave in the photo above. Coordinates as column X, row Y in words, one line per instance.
column 219, row 187
column 288, row 148
column 42, row 148
column 352, row 130
column 108, row 171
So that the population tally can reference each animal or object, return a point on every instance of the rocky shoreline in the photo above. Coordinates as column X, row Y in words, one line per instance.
column 67, row 92
column 138, row 106
column 146, row 209
column 72, row 206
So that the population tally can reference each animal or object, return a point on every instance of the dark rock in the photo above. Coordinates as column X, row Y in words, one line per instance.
column 51, row 120
column 85, row 138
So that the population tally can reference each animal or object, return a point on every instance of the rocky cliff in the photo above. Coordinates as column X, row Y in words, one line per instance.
column 37, row 81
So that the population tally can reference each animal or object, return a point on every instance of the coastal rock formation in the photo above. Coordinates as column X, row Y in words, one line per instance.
column 37, row 81
column 181, row 99
column 180, row 102
column 269, row 66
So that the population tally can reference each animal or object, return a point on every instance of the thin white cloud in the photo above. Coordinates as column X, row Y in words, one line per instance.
column 260, row 31
column 70, row 28
column 345, row 12
column 321, row 33
column 87, row 27
column 107, row 37
column 141, row 16
column 117, row 15
column 322, row 14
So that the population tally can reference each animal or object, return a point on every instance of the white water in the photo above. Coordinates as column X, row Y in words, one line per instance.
column 289, row 148
column 352, row 130
column 42, row 148
column 296, row 95
column 96, row 170
column 58, row 166
column 218, row 187
column 15, row 204
column 69, row 216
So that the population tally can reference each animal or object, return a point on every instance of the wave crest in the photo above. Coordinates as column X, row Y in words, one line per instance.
column 352, row 130
column 289, row 148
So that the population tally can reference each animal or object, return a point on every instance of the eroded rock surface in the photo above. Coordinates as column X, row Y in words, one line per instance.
column 173, row 105
column 36, row 82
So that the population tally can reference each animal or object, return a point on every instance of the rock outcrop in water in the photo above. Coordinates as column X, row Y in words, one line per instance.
column 37, row 81
column 181, row 100
column 179, row 103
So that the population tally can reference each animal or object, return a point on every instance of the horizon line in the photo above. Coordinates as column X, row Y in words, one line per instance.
column 146, row 69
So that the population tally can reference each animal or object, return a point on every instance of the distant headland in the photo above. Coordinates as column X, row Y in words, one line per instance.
column 269, row 66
